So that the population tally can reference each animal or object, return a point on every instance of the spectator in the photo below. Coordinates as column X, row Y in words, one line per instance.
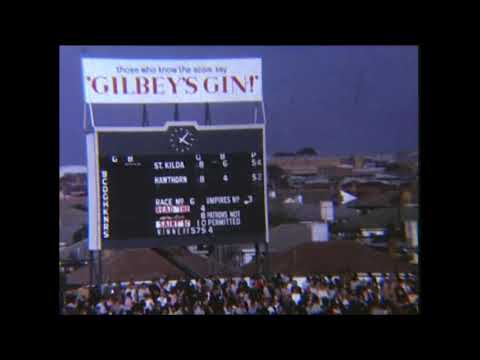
column 128, row 302
column 280, row 295
column 198, row 309
column 149, row 304
column 378, row 309
column 71, row 305
column 132, row 290
column 117, row 307
column 101, row 307
column 314, row 308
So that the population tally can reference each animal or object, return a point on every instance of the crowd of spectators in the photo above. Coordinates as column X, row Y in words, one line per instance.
column 278, row 295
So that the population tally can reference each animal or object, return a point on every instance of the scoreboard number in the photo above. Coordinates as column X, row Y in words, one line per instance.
column 256, row 162
column 257, row 177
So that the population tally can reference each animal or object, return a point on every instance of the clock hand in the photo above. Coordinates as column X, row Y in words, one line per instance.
column 184, row 136
column 181, row 140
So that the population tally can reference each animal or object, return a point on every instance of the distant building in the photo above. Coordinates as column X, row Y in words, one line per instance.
column 304, row 165
column 358, row 162
column 337, row 171
column 72, row 169
column 368, row 171
column 411, row 234
column 357, row 187
column 327, row 212
column 319, row 232
column 73, row 184
column 381, row 157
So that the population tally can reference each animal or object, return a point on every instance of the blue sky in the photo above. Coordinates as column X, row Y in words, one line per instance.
column 337, row 99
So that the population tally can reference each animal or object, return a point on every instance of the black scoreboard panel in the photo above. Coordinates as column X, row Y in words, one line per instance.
column 182, row 185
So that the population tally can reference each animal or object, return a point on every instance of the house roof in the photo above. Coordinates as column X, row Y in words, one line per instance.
column 305, row 212
column 332, row 257
column 286, row 236
column 375, row 218
column 312, row 196
column 146, row 264
column 344, row 212
column 385, row 199
column 73, row 169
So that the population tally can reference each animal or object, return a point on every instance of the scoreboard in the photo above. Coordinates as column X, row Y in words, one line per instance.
column 180, row 184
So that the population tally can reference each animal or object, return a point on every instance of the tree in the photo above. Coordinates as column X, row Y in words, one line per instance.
column 275, row 172
column 80, row 234
column 283, row 154
column 277, row 176
column 400, row 169
column 307, row 151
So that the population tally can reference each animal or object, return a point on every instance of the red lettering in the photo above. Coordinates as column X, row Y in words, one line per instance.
column 252, row 79
column 174, row 86
column 114, row 83
column 155, row 86
column 94, row 85
column 225, row 84
column 144, row 85
column 239, row 84
column 205, row 85
column 125, row 87
column 189, row 82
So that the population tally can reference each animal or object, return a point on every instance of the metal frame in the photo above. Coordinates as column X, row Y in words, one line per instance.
column 91, row 131
column 177, row 123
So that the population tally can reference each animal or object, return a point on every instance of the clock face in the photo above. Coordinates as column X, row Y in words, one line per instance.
column 181, row 139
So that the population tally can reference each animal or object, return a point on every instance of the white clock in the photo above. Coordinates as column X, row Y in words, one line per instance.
column 182, row 139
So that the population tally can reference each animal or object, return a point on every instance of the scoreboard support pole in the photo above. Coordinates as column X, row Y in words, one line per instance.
column 90, row 271
column 100, row 273
column 176, row 114
column 257, row 260
column 267, row 260
column 95, row 263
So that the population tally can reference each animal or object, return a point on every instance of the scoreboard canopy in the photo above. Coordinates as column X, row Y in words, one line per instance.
column 180, row 184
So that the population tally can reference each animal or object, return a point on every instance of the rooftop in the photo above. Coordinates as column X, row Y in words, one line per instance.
column 333, row 257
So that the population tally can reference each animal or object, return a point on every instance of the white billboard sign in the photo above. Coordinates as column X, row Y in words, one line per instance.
column 127, row 81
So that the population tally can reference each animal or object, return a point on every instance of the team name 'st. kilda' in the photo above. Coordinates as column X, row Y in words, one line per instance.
column 168, row 165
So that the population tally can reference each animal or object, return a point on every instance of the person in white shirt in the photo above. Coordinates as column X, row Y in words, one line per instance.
column 149, row 304
column 173, row 298
column 198, row 310
column 242, row 309
column 228, row 309
column 162, row 298
column 233, row 287
column 252, row 307
column 336, row 310
column 322, row 291
column 132, row 291
column 128, row 303
column 296, row 297
column 332, row 292
column 100, row 308
column 315, row 308
column 143, row 292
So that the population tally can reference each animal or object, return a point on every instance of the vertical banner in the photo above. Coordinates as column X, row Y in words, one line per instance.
column 93, row 199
